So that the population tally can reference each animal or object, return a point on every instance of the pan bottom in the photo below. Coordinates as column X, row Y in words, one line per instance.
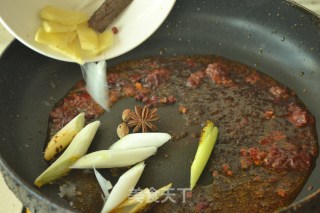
column 265, row 151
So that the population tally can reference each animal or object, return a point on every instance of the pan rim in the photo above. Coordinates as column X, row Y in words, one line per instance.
column 10, row 173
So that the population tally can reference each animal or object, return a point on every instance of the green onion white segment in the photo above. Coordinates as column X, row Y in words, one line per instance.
column 114, row 158
column 77, row 148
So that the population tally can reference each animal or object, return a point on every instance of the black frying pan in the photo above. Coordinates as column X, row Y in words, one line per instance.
column 275, row 36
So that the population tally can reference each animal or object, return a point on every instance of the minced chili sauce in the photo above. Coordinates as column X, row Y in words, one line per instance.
column 267, row 143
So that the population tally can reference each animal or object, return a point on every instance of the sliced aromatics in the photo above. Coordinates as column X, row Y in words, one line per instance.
column 207, row 141
column 114, row 158
column 105, row 40
column 88, row 37
column 58, row 39
column 141, row 201
column 67, row 32
column 63, row 138
column 63, row 16
column 139, row 140
column 73, row 51
column 54, row 27
column 123, row 187
column 107, row 13
column 78, row 147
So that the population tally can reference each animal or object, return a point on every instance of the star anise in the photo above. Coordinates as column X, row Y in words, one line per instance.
column 142, row 118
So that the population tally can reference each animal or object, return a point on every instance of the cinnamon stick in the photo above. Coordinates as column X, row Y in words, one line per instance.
column 107, row 13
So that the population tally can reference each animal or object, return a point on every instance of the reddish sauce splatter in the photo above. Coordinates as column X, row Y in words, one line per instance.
column 219, row 74
column 195, row 79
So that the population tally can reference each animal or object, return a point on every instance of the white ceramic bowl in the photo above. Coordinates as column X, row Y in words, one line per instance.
column 140, row 19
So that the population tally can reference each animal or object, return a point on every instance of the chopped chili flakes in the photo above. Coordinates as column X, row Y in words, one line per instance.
column 114, row 30
column 282, row 192
column 227, row 169
column 138, row 86
column 269, row 114
column 183, row 109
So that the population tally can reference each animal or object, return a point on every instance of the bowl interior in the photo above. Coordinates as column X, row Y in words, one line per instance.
column 139, row 21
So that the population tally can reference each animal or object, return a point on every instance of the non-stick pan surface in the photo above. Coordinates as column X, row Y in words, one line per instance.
column 277, row 37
